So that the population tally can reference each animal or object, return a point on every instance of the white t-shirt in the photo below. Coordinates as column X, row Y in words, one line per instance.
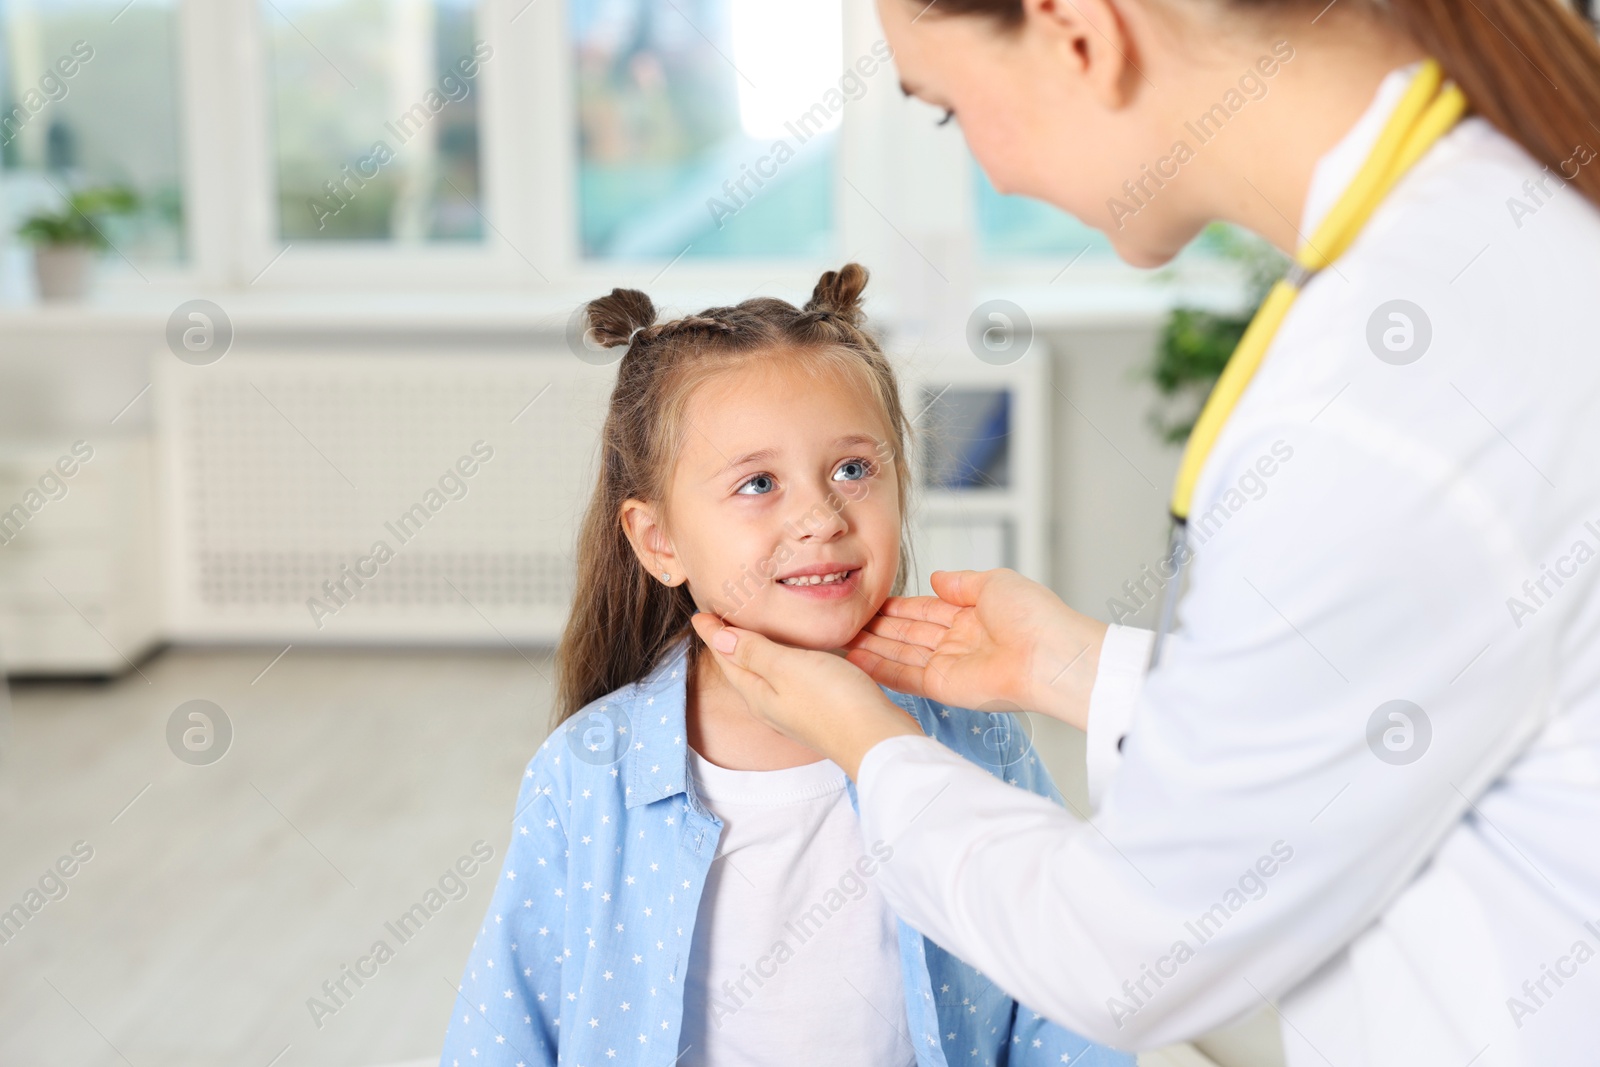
column 795, row 956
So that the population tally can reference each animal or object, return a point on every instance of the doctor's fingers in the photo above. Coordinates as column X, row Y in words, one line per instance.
column 920, row 609
column 911, row 631
column 750, row 664
column 901, row 677
column 962, row 588
column 890, row 643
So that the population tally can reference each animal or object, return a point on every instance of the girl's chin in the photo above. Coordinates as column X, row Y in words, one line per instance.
column 811, row 641
column 822, row 636
column 805, row 619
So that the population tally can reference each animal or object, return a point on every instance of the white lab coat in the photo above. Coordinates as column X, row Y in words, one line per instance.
column 1249, row 843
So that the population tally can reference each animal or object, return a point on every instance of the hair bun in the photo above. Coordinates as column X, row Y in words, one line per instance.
column 838, row 292
column 615, row 317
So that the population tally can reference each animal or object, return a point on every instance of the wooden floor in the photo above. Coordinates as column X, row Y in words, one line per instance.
column 219, row 898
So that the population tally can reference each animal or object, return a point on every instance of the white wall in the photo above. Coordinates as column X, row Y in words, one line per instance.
column 1113, row 475
column 1110, row 478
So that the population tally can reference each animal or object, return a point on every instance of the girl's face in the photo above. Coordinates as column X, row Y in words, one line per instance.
column 784, row 511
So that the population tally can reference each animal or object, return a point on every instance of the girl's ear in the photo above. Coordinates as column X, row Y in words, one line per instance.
column 642, row 524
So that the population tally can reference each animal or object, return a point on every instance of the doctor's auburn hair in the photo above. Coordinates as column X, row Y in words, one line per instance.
column 623, row 618
column 1530, row 67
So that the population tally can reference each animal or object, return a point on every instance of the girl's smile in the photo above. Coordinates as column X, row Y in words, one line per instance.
column 824, row 581
column 784, row 508
column 823, row 527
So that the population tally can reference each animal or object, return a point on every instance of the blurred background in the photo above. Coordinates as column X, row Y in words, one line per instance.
column 269, row 271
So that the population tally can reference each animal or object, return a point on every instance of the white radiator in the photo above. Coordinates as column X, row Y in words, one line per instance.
column 285, row 471
column 338, row 496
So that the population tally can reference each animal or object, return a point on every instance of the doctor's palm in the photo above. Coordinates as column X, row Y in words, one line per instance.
column 989, row 638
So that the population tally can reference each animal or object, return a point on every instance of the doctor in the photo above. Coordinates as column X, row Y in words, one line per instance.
column 1362, row 782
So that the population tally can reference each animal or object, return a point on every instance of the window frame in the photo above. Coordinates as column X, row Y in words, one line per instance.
column 903, row 197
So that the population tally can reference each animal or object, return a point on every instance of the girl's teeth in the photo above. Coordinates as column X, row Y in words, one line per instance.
column 815, row 579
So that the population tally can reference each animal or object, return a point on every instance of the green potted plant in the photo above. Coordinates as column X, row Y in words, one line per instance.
column 66, row 241
column 1195, row 344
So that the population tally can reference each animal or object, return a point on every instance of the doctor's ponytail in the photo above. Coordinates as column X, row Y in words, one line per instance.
column 1530, row 67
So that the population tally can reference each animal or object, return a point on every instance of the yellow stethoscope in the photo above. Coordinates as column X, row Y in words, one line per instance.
column 1425, row 113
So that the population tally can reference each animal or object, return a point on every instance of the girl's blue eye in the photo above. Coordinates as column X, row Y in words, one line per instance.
column 852, row 470
column 760, row 485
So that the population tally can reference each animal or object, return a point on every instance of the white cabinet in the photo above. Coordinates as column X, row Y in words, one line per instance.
column 79, row 590
column 981, row 458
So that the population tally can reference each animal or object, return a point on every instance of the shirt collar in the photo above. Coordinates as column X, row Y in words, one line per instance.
column 656, row 763
column 1338, row 166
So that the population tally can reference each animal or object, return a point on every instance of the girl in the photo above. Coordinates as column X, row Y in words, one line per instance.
column 684, row 885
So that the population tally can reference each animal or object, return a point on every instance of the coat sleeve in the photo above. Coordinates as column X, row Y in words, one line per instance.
column 1003, row 744
column 1342, row 683
column 1117, row 684
column 507, row 1007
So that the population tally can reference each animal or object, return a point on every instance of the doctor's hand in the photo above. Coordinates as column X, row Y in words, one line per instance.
column 989, row 637
column 816, row 698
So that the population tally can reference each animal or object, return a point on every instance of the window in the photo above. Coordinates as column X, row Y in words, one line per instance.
column 1021, row 226
column 699, row 130
column 500, row 146
column 1011, row 227
column 89, row 96
column 375, row 118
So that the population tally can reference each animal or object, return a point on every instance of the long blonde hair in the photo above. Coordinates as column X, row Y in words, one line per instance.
column 622, row 619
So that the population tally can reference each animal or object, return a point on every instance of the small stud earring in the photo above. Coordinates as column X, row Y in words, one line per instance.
column 665, row 577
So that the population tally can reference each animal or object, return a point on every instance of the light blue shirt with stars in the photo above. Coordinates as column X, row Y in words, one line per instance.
column 582, row 955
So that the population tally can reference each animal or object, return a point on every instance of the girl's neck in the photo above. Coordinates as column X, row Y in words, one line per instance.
column 723, row 729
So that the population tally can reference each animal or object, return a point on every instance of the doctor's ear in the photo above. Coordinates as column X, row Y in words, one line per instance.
column 1095, row 38
column 646, row 532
